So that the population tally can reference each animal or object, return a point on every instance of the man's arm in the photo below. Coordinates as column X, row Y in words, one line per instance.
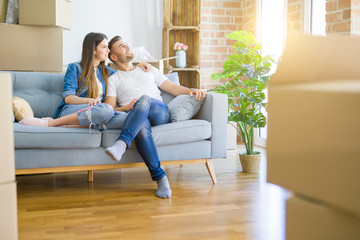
column 112, row 102
column 177, row 90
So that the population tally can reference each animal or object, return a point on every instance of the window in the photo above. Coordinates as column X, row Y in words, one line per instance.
column 271, row 34
column 315, row 11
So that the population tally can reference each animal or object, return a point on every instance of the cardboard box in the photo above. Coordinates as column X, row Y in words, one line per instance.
column 318, row 59
column 8, row 210
column 51, row 13
column 29, row 48
column 7, row 163
column 313, row 221
column 314, row 141
column 3, row 10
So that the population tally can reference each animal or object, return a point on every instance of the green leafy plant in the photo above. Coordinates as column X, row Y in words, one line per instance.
column 247, row 72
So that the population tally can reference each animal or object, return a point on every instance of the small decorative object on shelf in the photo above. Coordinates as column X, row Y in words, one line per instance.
column 180, row 49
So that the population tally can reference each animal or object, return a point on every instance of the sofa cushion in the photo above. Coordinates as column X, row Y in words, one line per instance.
column 171, row 133
column 174, row 78
column 43, row 91
column 55, row 137
column 184, row 107
column 21, row 109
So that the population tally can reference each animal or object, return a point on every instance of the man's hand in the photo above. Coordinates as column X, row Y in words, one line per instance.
column 198, row 93
column 129, row 106
column 146, row 67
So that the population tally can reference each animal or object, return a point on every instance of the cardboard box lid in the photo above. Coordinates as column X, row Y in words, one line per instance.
column 316, row 59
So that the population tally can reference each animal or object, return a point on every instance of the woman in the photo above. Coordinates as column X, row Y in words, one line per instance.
column 85, row 87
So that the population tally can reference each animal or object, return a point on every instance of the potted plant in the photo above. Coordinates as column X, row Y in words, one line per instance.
column 247, row 74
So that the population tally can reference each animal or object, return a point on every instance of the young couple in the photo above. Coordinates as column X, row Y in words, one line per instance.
column 92, row 90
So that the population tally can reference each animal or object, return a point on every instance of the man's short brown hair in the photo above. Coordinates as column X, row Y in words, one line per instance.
column 111, row 43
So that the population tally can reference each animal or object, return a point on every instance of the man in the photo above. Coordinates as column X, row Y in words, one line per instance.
column 130, row 86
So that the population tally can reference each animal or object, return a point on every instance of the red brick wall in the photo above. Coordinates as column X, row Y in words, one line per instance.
column 343, row 17
column 218, row 18
column 295, row 15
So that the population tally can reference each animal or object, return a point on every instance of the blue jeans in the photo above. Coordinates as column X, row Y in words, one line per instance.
column 147, row 112
column 101, row 116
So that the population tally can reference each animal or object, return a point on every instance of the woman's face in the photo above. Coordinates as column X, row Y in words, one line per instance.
column 102, row 51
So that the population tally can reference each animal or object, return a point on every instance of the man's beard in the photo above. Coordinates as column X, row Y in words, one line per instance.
column 125, row 59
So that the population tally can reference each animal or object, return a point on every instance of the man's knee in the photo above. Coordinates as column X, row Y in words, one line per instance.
column 144, row 100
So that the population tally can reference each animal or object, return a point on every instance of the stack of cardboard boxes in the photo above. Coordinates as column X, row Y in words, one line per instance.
column 36, row 43
column 314, row 136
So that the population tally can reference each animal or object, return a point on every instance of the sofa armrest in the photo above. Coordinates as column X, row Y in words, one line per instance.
column 215, row 110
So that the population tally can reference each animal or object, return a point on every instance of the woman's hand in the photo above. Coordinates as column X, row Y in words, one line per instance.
column 146, row 67
column 93, row 102
column 129, row 106
column 198, row 93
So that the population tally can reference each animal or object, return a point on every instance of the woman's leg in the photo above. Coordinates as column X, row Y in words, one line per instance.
column 79, row 115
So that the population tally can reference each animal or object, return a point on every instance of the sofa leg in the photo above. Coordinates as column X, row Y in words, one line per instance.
column 210, row 168
column 90, row 175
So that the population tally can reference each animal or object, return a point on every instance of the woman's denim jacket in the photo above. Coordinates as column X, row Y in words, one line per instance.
column 71, row 84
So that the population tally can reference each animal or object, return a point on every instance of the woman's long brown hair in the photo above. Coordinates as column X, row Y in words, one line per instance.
column 91, row 41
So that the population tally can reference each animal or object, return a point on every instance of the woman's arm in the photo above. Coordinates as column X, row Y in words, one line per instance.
column 72, row 99
column 146, row 67
column 71, row 87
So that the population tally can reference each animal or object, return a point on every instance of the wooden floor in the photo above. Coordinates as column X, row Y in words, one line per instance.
column 120, row 204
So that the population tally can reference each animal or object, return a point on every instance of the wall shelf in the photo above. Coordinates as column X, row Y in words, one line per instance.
column 182, row 24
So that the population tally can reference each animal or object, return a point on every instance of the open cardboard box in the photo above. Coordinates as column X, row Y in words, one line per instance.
column 314, row 130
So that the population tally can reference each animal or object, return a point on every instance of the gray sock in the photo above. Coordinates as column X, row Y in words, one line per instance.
column 117, row 150
column 164, row 190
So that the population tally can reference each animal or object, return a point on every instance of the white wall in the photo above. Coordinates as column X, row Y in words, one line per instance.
column 138, row 22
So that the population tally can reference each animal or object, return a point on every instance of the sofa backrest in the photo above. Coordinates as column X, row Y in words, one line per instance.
column 43, row 91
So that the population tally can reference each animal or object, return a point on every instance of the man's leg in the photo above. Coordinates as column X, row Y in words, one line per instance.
column 144, row 109
column 137, row 124
column 146, row 147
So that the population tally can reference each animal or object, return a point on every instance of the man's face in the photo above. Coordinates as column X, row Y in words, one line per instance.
column 122, row 51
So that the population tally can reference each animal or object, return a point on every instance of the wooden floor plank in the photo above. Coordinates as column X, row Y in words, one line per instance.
column 120, row 204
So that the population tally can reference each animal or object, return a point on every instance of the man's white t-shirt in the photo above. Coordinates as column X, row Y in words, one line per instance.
column 130, row 85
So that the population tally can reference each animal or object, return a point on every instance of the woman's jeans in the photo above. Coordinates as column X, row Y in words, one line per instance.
column 101, row 116
column 134, row 124
column 147, row 112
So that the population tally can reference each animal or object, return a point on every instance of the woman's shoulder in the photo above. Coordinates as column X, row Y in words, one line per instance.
column 73, row 70
column 75, row 65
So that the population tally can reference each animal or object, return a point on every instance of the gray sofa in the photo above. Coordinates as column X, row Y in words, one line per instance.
column 60, row 149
